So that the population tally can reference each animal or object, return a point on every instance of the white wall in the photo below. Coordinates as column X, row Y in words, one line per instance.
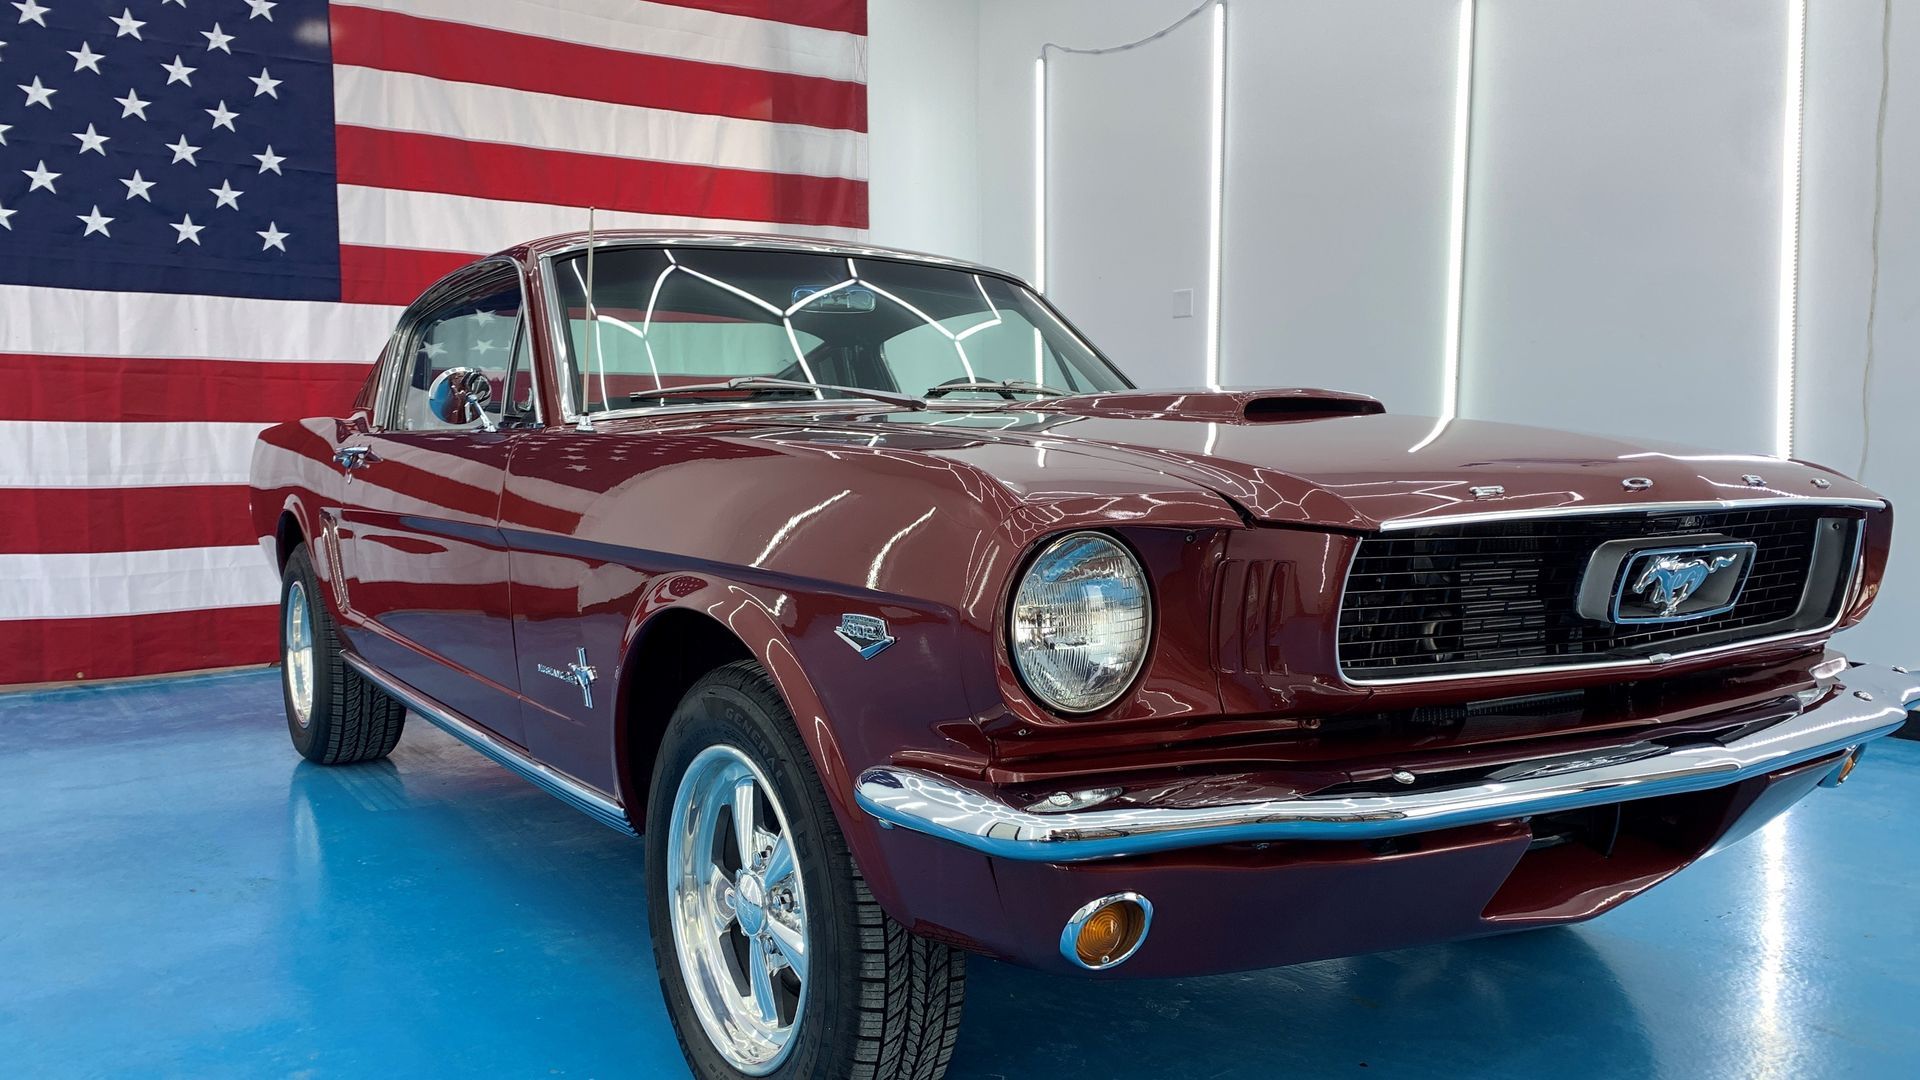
column 923, row 125
column 1623, row 218
column 1623, row 232
column 1836, row 267
column 1338, row 120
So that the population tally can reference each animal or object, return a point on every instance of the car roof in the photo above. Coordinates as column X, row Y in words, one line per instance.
column 561, row 243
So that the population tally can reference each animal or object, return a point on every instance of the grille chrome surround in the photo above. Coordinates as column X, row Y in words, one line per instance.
column 1548, row 637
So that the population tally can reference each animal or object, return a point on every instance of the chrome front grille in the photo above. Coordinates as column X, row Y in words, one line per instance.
column 1499, row 595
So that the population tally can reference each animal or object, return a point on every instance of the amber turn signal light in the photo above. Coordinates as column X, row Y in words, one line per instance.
column 1107, row 931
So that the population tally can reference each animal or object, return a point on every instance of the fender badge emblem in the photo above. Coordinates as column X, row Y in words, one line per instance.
column 866, row 633
column 580, row 674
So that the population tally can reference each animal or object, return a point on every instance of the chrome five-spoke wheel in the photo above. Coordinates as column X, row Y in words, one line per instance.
column 739, row 909
column 296, row 650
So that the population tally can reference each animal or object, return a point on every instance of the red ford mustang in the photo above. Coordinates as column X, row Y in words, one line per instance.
column 903, row 626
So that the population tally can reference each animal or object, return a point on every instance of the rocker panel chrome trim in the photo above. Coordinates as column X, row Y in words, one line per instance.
column 978, row 820
column 558, row 784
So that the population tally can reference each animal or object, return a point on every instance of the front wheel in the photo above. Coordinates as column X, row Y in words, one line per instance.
column 335, row 716
column 774, row 958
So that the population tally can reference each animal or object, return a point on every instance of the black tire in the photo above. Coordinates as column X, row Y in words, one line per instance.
column 351, row 720
column 881, row 1003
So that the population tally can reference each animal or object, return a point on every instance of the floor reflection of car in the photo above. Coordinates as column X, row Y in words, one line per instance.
column 904, row 626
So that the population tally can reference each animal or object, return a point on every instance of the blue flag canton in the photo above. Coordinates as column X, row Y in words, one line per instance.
column 181, row 146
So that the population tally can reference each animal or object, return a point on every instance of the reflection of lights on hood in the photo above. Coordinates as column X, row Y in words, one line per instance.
column 780, row 535
column 879, row 557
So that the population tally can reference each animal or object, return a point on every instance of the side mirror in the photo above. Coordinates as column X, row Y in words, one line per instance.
column 459, row 396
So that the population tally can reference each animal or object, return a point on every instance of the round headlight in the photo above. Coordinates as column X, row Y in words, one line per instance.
column 1080, row 623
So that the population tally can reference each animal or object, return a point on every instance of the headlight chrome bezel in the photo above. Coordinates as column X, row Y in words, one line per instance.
column 1136, row 668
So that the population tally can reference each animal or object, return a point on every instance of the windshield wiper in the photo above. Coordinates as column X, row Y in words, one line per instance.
column 773, row 385
column 1004, row 387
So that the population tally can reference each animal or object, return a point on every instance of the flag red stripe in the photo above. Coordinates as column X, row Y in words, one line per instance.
column 846, row 16
column 390, row 41
column 64, row 521
column 395, row 276
column 412, row 161
column 103, row 389
column 115, row 646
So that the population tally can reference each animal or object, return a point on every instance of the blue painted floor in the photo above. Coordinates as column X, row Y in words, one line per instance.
column 181, row 895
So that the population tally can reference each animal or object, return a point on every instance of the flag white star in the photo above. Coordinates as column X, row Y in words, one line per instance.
column 224, row 195
column 273, row 237
column 91, row 140
column 217, row 40
column 86, row 58
column 96, row 223
column 38, row 94
column 4, row 128
column 484, row 317
column 32, row 11
column 41, row 177
column 485, row 346
column 164, row 3
column 187, row 230
column 131, row 105
column 4, row 215
column 222, row 118
column 137, row 187
column 264, row 83
column 127, row 24
column 262, row 9
column 434, row 349
column 178, row 72
column 270, row 161
column 183, row 151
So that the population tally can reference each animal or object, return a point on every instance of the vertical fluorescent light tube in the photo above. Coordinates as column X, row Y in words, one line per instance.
column 1216, row 192
column 1039, row 203
column 1040, row 172
column 1456, row 228
column 1788, row 333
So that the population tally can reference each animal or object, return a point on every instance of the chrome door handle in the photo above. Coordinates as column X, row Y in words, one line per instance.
column 350, row 458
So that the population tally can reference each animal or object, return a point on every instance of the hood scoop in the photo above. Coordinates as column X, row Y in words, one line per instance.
column 1265, row 406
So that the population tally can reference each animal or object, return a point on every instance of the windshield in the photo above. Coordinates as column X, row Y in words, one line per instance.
column 689, row 317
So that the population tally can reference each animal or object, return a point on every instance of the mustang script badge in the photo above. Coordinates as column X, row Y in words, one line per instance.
column 867, row 634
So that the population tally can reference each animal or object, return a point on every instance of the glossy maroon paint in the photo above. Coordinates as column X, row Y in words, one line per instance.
column 457, row 563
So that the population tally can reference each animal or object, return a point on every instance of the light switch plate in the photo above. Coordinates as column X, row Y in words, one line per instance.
column 1183, row 303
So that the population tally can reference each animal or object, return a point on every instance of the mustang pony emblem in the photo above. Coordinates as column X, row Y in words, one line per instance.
column 1674, row 578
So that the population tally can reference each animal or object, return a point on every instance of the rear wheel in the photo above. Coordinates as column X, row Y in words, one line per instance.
column 334, row 715
column 774, row 958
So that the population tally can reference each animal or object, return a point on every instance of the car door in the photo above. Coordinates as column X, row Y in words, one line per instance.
column 425, row 567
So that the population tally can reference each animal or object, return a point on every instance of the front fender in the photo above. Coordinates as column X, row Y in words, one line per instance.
column 852, row 713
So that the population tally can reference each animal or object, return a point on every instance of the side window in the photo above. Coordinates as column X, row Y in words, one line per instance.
column 479, row 331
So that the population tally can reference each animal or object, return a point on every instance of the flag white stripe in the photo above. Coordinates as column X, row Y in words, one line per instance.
column 57, row 454
column 87, row 585
column 424, row 219
column 84, row 322
column 658, row 30
column 399, row 101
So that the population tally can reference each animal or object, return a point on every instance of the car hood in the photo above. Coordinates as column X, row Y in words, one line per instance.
column 1331, row 460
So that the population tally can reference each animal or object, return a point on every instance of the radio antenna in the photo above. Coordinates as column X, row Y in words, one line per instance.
column 593, row 329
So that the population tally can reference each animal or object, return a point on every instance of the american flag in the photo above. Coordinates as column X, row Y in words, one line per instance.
column 211, row 211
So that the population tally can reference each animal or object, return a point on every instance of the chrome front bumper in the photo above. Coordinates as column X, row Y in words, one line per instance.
column 1869, row 702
